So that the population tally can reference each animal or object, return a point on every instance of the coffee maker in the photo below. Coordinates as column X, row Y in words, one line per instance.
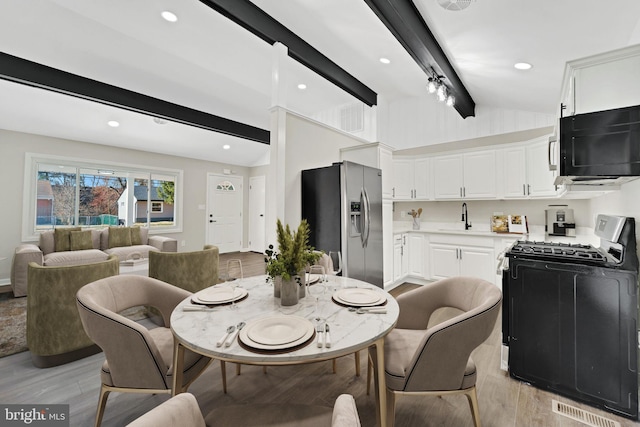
column 559, row 221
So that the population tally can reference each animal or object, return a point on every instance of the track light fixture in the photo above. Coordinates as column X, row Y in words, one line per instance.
column 437, row 86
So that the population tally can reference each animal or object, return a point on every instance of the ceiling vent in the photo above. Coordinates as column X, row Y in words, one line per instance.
column 352, row 117
column 455, row 5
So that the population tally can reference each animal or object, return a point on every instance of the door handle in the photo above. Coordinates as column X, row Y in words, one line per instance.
column 261, row 214
column 212, row 220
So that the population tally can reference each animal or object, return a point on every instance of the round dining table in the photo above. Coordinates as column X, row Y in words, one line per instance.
column 200, row 327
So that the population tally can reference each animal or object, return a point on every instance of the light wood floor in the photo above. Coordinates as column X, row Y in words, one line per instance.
column 503, row 401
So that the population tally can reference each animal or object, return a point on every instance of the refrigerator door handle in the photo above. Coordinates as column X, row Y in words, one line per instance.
column 366, row 219
column 362, row 217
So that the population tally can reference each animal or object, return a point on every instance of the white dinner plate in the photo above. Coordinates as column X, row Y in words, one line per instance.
column 219, row 295
column 313, row 278
column 277, row 332
column 359, row 297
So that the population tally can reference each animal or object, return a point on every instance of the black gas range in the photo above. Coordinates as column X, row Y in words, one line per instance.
column 555, row 251
column 570, row 313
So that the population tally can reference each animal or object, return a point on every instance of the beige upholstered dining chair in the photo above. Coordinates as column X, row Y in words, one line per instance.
column 430, row 356
column 138, row 360
column 192, row 271
column 183, row 410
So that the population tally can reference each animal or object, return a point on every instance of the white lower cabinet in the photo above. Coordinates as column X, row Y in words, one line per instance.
column 416, row 255
column 400, row 257
column 449, row 260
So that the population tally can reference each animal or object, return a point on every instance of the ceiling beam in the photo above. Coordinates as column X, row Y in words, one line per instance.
column 18, row 70
column 405, row 22
column 254, row 19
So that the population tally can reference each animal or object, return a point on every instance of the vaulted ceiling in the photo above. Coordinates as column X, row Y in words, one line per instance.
column 208, row 63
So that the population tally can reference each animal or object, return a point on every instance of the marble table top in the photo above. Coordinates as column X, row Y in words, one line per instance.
column 350, row 332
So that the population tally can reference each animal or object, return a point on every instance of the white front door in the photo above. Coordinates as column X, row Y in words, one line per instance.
column 224, row 212
column 256, row 213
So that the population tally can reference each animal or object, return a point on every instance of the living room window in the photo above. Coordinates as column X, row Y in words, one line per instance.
column 63, row 192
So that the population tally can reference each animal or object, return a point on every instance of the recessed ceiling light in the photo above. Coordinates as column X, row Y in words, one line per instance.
column 385, row 60
column 302, row 86
column 113, row 123
column 169, row 16
column 226, row 146
column 159, row 121
column 522, row 65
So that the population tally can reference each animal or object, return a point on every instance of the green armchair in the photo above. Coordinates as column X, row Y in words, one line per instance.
column 54, row 331
column 192, row 271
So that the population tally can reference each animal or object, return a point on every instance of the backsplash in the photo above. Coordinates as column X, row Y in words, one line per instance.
column 480, row 212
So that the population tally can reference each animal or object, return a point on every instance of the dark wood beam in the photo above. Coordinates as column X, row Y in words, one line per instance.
column 254, row 19
column 405, row 22
column 30, row 73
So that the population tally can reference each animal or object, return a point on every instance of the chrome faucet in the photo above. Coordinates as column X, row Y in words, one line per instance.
column 465, row 217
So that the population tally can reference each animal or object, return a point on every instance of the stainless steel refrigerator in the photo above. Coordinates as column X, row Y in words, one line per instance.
column 343, row 205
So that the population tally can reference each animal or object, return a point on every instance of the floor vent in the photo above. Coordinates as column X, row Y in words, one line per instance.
column 581, row 415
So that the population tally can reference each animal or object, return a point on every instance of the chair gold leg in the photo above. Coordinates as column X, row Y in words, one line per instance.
column 238, row 369
column 472, row 397
column 223, row 372
column 391, row 408
column 357, row 356
column 102, row 402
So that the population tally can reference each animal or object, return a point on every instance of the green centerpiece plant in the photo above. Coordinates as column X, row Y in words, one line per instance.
column 286, row 266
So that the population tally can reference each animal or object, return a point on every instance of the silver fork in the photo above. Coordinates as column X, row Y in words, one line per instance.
column 320, row 335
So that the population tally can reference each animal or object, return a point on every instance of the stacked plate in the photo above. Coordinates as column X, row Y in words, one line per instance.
column 219, row 295
column 277, row 332
column 359, row 297
column 313, row 278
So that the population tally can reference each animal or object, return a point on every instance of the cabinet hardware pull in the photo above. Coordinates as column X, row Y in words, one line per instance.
column 524, row 189
column 460, row 191
column 464, row 191
column 528, row 189
column 393, row 192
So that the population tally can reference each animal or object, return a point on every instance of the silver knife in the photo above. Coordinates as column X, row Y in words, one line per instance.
column 327, row 337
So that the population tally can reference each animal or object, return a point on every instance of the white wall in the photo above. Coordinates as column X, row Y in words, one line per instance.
column 625, row 202
column 14, row 145
column 421, row 120
column 297, row 143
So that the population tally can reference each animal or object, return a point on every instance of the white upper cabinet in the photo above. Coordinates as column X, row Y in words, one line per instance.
column 480, row 175
column 514, row 181
column 402, row 179
column 526, row 171
column 465, row 176
column 422, row 179
column 411, row 179
column 540, row 178
column 602, row 82
column 447, row 177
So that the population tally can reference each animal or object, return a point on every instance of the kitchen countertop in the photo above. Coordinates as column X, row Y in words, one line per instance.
column 536, row 233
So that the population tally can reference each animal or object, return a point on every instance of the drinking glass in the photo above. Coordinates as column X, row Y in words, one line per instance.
column 317, row 289
column 234, row 274
column 336, row 260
